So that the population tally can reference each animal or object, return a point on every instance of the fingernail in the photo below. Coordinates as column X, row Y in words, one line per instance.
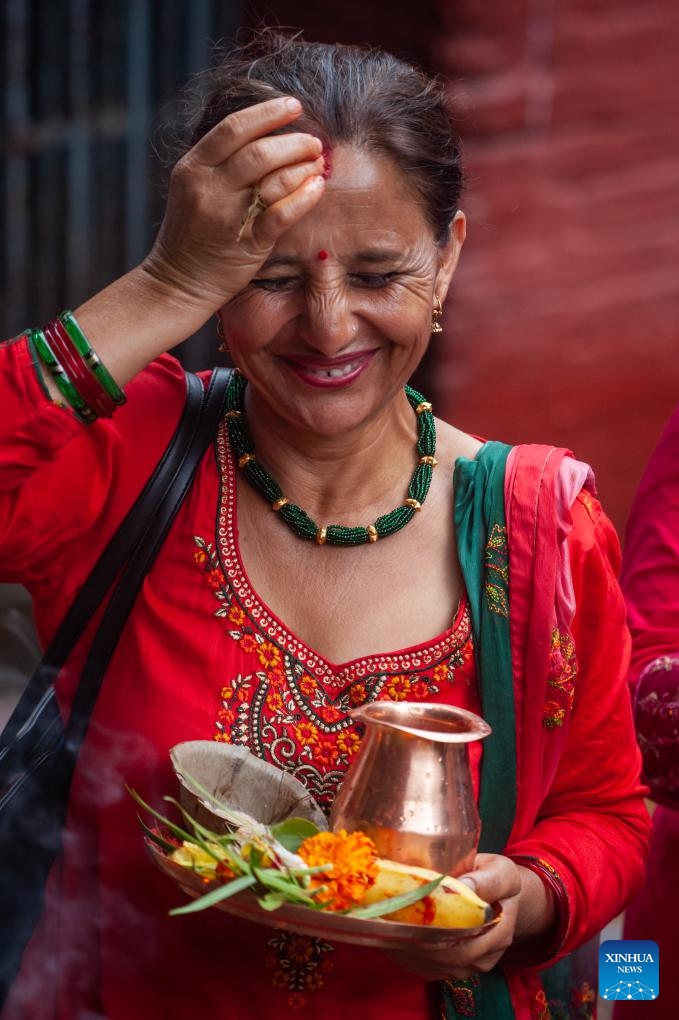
column 293, row 105
column 470, row 881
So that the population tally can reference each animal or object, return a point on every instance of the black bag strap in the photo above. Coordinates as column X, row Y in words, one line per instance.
column 144, row 528
column 144, row 555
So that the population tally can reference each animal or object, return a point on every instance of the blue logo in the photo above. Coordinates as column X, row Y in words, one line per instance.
column 628, row 969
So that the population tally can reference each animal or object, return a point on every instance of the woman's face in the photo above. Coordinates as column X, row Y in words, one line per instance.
column 339, row 316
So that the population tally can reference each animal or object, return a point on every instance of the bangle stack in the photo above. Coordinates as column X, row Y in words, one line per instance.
column 83, row 381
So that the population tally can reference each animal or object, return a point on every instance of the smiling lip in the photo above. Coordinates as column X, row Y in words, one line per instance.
column 330, row 372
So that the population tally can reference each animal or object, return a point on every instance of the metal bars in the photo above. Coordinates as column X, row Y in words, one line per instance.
column 83, row 81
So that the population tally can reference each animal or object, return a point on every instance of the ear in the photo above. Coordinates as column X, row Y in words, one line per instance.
column 449, row 253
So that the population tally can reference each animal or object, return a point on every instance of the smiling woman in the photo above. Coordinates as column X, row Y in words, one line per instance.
column 338, row 545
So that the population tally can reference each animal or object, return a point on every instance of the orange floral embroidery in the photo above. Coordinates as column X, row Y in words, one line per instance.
column 298, row 963
column 496, row 571
column 276, row 676
column 397, row 688
column 348, row 742
column 274, row 700
column 358, row 694
column 539, row 1009
column 236, row 616
column 441, row 673
column 215, row 579
column 326, row 753
column 268, row 655
column 563, row 670
column 248, row 643
column 307, row 686
column 330, row 713
column 306, row 733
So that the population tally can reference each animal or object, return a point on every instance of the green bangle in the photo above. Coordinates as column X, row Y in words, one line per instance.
column 91, row 358
column 69, row 392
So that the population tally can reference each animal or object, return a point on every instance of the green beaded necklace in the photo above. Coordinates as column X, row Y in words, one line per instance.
column 299, row 521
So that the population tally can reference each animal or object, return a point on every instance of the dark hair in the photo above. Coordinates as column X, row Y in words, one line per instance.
column 351, row 95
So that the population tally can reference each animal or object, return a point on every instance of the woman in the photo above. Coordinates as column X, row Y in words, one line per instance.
column 650, row 579
column 316, row 213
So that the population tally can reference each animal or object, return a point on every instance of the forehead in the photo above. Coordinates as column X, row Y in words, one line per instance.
column 366, row 198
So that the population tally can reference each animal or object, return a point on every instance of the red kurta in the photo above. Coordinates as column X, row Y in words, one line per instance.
column 203, row 658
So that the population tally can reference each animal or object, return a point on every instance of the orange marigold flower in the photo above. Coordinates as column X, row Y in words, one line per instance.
column 200, row 556
column 236, row 616
column 248, row 643
column 226, row 693
column 348, row 742
column 268, row 655
column 352, row 866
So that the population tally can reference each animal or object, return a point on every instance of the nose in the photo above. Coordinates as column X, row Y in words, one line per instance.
column 329, row 324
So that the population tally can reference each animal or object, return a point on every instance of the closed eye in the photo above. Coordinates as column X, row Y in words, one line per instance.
column 277, row 283
column 373, row 279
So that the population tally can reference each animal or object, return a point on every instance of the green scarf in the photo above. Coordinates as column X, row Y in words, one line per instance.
column 484, row 559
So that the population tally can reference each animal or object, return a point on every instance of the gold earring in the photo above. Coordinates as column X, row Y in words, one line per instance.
column 436, row 314
column 224, row 346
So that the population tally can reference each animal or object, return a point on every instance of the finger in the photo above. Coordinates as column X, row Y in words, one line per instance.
column 277, row 185
column 493, row 878
column 264, row 156
column 236, row 130
column 282, row 215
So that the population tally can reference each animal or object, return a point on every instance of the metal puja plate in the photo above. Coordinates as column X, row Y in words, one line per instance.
column 377, row 932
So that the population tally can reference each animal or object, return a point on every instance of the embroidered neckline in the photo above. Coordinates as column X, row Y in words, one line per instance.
column 411, row 660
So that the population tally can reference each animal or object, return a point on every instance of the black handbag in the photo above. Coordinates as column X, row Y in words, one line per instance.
column 38, row 750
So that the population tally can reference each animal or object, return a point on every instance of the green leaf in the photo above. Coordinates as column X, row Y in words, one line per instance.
column 397, row 902
column 293, row 831
column 216, row 895
column 181, row 834
column 155, row 837
column 271, row 900
column 273, row 879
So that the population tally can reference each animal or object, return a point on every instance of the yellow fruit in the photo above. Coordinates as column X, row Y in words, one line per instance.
column 452, row 904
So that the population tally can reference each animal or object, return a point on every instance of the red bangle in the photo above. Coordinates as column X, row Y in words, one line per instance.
column 89, row 388
column 536, row 953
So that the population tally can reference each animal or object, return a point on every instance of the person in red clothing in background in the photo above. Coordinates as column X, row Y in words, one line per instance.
column 650, row 580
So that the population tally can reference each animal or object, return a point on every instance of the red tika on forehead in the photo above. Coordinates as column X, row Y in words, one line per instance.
column 322, row 255
column 327, row 156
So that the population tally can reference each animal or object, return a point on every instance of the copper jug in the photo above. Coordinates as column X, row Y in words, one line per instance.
column 409, row 787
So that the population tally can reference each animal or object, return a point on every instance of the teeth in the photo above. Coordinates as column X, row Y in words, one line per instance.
column 336, row 373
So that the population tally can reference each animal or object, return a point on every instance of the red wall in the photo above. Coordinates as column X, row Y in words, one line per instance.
column 563, row 325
